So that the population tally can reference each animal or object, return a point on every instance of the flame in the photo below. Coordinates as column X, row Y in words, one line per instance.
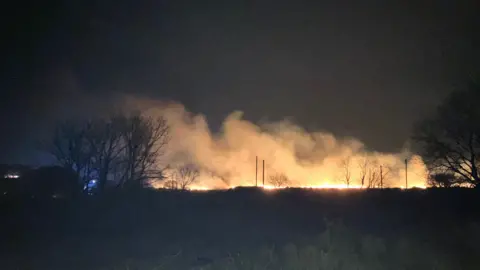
column 324, row 186
column 271, row 187
column 200, row 188
column 325, row 183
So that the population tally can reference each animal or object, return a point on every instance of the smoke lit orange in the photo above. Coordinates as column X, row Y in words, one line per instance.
column 226, row 159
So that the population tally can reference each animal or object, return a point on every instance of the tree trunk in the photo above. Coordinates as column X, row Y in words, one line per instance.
column 475, row 176
column 103, row 177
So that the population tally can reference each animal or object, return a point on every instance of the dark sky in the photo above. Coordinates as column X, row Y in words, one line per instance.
column 367, row 69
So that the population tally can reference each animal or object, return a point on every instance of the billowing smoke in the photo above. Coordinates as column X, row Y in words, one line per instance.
column 227, row 158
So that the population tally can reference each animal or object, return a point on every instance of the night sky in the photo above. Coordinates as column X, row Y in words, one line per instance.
column 367, row 69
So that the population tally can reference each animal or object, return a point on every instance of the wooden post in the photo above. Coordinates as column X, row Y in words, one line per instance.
column 381, row 177
column 263, row 174
column 256, row 171
column 406, row 171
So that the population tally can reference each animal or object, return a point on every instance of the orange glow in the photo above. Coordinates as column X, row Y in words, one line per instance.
column 199, row 188
column 242, row 152
column 270, row 187
column 323, row 186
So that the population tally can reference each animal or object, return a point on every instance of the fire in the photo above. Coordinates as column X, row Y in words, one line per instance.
column 323, row 186
column 325, row 183
column 271, row 187
column 200, row 188
column 242, row 150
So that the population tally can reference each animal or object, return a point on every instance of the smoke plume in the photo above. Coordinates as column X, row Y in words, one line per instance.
column 227, row 158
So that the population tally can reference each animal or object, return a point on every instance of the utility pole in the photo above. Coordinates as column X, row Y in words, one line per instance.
column 406, row 171
column 263, row 175
column 381, row 177
column 256, row 171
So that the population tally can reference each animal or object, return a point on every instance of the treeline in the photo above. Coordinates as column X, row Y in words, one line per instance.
column 122, row 149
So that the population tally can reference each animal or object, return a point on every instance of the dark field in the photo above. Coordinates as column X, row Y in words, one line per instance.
column 245, row 229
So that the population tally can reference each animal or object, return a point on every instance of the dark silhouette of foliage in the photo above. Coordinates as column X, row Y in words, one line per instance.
column 69, row 146
column 363, row 167
column 122, row 147
column 183, row 177
column 245, row 228
column 443, row 180
column 450, row 140
column 54, row 181
column 279, row 180
column 346, row 171
column 145, row 139
column 170, row 184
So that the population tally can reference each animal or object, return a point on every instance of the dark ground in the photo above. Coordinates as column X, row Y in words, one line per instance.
column 177, row 230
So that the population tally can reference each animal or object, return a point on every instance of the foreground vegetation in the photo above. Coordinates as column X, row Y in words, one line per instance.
column 245, row 229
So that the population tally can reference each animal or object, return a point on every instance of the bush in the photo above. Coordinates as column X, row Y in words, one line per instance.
column 339, row 248
column 54, row 181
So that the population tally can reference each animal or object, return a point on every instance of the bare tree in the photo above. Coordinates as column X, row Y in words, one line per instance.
column 450, row 140
column 384, row 175
column 122, row 145
column 145, row 139
column 345, row 170
column 279, row 180
column 442, row 180
column 184, row 176
column 373, row 178
column 170, row 184
column 70, row 147
column 363, row 166
column 105, row 141
column 377, row 176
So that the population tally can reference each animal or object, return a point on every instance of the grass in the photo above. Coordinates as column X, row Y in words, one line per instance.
column 245, row 228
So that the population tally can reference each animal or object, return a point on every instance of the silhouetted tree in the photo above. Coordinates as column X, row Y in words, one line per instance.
column 450, row 140
column 184, row 176
column 346, row 171
column 125, row 146
column 70, row 146
column 373, row 178
column 363, row 166
column 384, row 175
column 106, row 146
column 145, row 139
column 377, row 176
column 170, row 184
column 442, row 180
column 279, row 180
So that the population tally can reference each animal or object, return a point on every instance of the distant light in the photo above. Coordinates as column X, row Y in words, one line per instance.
column 91, row 186
column 11, row 175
